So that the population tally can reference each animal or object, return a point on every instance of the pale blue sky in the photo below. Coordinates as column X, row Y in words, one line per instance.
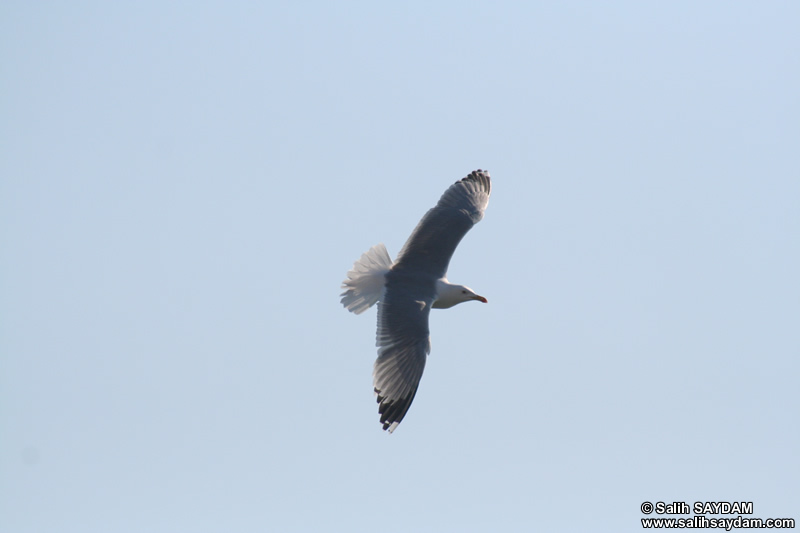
column 184, row 186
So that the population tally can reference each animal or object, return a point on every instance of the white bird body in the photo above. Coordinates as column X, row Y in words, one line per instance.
column 409, row 287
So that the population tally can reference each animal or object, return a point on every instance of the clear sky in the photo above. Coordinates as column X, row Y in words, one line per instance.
column 184, row 185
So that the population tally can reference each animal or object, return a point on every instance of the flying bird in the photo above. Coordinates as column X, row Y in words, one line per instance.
column 409, row 287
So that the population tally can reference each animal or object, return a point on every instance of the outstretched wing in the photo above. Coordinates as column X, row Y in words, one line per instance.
column 403, row 341
column 431, row 245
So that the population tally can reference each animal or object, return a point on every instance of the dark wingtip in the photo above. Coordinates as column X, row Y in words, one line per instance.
column 393, row 411
column 482, row 177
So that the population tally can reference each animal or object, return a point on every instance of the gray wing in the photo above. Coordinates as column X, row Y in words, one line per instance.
column 432, row 243
column 403, row 341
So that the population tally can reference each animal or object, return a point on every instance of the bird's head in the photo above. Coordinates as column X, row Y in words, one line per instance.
column 450, row 294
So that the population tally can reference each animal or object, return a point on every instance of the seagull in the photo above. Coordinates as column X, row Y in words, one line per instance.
column 409, row 287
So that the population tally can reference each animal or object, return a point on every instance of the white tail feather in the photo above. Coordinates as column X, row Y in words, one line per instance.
column 365, row 282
